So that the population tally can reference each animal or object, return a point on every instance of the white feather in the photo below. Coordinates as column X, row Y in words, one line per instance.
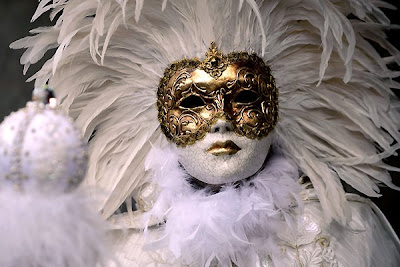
column 234, row 225
column 50, row 230
column 306, row 43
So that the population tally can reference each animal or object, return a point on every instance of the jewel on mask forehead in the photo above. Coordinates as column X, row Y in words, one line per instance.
column 237, row 87
column 214, row 63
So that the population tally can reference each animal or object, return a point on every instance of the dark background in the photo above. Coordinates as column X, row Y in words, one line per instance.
column 15, row 23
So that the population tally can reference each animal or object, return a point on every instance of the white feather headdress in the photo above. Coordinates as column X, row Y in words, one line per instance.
column 338, row 115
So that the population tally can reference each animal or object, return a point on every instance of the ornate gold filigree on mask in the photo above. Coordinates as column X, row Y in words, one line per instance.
column 214, row 63
column 237, row 87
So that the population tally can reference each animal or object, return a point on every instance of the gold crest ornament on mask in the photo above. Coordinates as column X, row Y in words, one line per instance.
column 237, row 87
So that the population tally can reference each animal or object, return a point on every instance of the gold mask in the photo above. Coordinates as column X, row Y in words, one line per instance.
column 237, row 87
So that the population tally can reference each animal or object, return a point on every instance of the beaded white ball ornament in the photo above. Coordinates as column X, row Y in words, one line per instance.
column 41, row 148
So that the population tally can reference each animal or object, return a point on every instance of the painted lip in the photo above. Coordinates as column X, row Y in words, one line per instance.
column 223, row 148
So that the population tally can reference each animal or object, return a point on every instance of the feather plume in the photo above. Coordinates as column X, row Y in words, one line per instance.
column 339, row 118
column 50, row 230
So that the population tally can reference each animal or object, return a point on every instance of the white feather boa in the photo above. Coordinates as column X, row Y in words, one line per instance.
column 235, row 225
column 45, row 230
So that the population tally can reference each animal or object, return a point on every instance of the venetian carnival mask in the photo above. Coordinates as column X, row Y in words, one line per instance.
column 219, row 112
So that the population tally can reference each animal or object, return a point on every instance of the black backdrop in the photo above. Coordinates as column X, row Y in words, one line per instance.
column 15, row 23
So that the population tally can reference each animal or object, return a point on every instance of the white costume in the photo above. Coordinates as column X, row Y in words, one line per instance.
column 213, row 194
column 368, row 240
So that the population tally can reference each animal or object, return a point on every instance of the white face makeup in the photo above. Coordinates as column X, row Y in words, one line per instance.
column 223, row 156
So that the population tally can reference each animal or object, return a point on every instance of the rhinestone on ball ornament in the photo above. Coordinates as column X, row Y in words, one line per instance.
column 41, row 148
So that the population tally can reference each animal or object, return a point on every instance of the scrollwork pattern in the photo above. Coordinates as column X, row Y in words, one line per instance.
column 230, row 75
column 310, row 247
column 256, row 119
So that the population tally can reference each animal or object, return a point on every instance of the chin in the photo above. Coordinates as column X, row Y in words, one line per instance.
column 222, row 169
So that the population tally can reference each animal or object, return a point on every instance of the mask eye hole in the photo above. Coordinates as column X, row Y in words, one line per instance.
column 246, row 97
column 192, row 101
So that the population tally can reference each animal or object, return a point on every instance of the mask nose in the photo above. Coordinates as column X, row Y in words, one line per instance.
column 222, row 126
